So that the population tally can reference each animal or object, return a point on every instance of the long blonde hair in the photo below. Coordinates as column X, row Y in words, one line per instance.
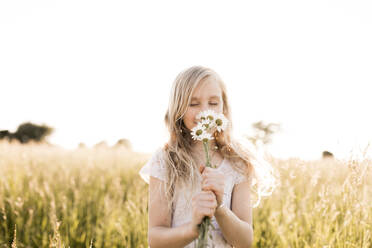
column 181, row 168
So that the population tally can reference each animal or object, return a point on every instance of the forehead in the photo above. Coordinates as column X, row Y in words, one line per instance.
column 208, row 88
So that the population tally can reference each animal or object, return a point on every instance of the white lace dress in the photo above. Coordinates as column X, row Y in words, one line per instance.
column 182, row 209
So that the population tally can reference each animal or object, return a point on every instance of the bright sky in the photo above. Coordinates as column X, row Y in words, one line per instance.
column 102, row 70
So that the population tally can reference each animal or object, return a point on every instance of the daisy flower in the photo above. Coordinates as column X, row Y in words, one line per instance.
column 198, row 131
column 207, row 124
column 206, row 137
column 221, row 122
column 207, row 115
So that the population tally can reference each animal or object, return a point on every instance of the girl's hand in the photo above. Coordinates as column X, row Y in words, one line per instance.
column 214, row 181
column 203, row 204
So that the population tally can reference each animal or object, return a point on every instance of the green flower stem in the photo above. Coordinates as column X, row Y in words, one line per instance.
column 204, row 226
column 206, row 150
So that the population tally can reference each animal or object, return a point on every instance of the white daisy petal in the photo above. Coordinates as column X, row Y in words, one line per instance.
column 207, row 114
column 207, row 124
column 206, row 136
column 197, row 131
column 221, row 122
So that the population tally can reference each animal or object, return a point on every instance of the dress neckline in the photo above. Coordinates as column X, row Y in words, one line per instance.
column 221, row 164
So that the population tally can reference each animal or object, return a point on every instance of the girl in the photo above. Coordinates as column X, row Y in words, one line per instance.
column 181, row 190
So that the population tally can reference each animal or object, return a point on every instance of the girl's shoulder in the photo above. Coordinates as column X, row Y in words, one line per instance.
column 157, row 157
column 155, row 166
column 238, row 171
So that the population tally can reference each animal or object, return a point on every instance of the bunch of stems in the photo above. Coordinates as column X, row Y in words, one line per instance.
column 206, row 223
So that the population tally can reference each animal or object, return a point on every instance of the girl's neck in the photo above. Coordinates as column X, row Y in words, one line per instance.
column 198, row 147
column 198, row 154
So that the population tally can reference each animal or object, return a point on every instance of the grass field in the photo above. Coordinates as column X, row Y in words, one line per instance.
column 95, row 198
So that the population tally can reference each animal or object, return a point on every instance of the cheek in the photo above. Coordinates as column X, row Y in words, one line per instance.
column 189, row 118
column 219, row 109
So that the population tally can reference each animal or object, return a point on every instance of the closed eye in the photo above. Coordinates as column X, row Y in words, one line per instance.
column 196, row 104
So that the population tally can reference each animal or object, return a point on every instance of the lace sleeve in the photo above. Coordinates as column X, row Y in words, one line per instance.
column 154, row 167
column 239, row 178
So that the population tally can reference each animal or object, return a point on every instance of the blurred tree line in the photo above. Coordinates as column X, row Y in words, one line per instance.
column 263, row 132
column 27, row 132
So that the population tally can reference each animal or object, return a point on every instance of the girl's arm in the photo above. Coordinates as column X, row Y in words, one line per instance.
column 180, row 236
column 160, row 233
column 236, row 224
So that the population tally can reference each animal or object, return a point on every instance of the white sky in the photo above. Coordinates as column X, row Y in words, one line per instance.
column 102, row 70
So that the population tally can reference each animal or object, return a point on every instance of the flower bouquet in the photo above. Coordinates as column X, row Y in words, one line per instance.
column 209, row 123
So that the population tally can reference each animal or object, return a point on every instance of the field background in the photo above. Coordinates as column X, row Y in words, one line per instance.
column 95, row 198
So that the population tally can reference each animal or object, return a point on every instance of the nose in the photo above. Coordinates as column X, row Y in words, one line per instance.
column 204, row 107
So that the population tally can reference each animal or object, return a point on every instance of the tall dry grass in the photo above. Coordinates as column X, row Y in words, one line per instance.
column 59, row 198
column 325, row 203
column 50, row 197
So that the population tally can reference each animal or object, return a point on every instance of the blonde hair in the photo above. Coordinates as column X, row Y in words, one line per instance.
column 181, row 168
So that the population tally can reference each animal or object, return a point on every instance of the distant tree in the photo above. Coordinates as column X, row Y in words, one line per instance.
column 28, row 132
column 124, row 143
column 102, row 144
column 327, row 154
column 4, row 134
column 263, row 132
column 82, row 145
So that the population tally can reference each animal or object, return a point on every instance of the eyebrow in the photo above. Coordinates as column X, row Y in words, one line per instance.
column 195, row 98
